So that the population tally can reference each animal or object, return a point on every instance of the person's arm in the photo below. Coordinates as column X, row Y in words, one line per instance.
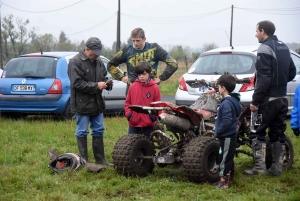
column 295, row 111
column 263, row 74
column 76, row 76
column 113, row 64
column 226, row 120
column 172, row 65
column 292, row 70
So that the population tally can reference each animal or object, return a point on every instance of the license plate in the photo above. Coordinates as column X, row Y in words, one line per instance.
column 24, row 88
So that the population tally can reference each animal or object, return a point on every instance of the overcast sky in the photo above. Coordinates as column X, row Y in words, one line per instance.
column 167, row 22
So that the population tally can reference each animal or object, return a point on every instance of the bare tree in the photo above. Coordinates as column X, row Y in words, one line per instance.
column 24, row 35
column 15, row 37
column 5, row 44
column 209, row 46
column 9, row 28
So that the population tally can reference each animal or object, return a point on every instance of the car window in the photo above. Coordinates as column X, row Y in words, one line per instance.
column 218, row 63
column 296, row 61
column 31, row 66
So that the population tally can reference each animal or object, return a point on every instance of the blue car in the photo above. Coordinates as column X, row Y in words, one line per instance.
column 39, row 84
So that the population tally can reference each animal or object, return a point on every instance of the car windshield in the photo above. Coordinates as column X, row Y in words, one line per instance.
column 219, row 63
column 31, row 67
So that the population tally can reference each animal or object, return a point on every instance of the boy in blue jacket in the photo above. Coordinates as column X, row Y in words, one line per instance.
column 295, row 116
column 226, row 128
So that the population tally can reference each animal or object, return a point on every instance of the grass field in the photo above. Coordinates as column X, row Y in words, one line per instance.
column 24, row 173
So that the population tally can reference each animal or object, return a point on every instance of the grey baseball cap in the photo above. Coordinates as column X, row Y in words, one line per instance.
column 95, row 45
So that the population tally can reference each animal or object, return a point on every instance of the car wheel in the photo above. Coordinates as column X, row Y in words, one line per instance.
column 67, row 114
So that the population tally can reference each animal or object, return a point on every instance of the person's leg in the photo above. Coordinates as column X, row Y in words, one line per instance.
column 259, row 143
column 226, row 159
column 97, row 126
column 147, row 131
column 82, row 131
column 134, row 130
column 277, row 136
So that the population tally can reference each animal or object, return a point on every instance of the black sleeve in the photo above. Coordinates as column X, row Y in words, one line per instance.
column 172, row 65
column 292, row 71
column 263, row 76
column 113, row 64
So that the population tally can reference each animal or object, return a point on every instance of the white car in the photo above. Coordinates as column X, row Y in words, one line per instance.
column 239, row 61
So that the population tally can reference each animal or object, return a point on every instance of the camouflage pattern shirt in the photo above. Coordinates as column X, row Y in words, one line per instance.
column 152, row 53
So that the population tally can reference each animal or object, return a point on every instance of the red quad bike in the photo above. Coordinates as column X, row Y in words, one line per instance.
column 191, row 142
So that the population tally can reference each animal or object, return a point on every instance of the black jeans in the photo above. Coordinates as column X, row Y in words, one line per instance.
column 140, row 130
column 226, row 155
column 273, row 118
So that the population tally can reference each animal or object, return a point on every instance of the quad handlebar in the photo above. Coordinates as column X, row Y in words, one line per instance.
column 213, row 84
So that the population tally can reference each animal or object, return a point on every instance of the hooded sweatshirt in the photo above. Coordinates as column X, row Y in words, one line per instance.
column 227, row 117
column 141, row 94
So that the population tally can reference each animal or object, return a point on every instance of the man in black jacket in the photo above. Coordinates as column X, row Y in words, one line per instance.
column 87, row 74
column 274, row 69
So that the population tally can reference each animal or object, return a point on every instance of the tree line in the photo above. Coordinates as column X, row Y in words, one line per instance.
column 18, row 38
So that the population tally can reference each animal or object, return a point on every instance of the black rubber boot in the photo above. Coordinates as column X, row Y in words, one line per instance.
column 98, row 150
column 82, row 147
column 276, row 167
column 259, row 151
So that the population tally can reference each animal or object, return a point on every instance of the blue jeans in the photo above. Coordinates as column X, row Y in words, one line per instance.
column 96, row 124
column 140, row 130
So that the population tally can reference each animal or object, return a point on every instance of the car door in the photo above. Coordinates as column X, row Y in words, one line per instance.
column 295, row 83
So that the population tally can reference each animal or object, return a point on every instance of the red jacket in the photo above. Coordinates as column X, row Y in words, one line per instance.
column 141, row 94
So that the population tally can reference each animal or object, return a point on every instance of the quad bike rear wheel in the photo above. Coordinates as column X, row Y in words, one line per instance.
column 128, row 155
column 288, row 156
column 200, row 159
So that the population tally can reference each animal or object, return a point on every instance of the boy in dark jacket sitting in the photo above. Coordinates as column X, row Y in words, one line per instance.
column 226, row 128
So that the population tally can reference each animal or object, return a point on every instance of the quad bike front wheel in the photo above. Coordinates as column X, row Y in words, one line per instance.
column 129, row 155
column 200, row 160
column 288, row 157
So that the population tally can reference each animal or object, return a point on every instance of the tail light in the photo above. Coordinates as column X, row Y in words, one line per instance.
column 56, row 87
column 182, row 84
column 0, row 91
column 248, row 87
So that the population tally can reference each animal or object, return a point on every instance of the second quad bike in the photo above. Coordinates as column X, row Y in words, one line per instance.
column 191, row 142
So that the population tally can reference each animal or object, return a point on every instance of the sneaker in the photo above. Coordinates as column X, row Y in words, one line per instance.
column 223, row 183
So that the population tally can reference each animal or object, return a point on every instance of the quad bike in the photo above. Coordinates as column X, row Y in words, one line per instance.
column 191, row 142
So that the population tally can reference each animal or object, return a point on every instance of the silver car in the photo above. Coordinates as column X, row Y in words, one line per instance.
column 239, row 61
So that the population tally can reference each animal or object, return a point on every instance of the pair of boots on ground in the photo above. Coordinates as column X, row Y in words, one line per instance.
column 259, row 151
column 98, row 150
